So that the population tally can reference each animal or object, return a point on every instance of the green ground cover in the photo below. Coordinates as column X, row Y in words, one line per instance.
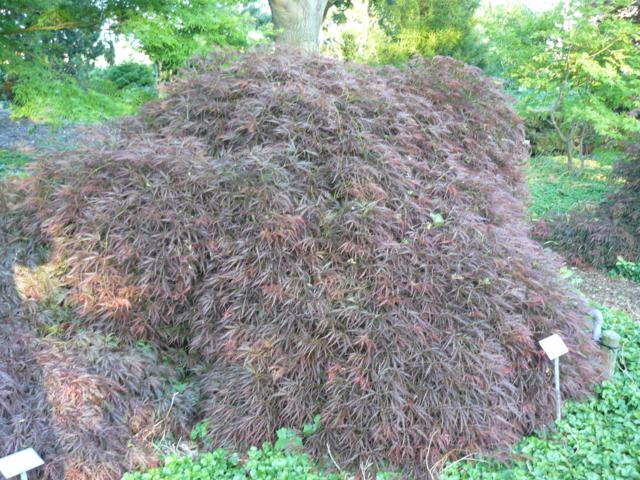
column 555, row 190
column 12, row 162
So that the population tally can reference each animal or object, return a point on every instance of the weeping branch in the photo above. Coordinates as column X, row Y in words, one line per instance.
column 50, row 28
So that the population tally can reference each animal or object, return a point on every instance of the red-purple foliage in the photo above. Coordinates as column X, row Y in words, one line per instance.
column 89, row 404
column 331, row 239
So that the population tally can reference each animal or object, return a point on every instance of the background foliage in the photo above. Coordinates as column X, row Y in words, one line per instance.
column 47, row 95
column 601, row 232
column 49, row 50
column 176, row 31
column 416, row 27
column 574, row 69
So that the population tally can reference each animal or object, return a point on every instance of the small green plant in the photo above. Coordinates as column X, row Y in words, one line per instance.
column 627, row 269
column 437, row 219
column 266, row 463
column 200, row 431
column 349, row 46
column 127, row 75
column 311, row 428
column 289, row 439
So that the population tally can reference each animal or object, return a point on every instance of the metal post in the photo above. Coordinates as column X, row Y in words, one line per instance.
column 598, row 320
column 556, row 364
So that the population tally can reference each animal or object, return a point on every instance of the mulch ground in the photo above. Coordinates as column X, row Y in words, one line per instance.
column 611, row 291
column 25, row 135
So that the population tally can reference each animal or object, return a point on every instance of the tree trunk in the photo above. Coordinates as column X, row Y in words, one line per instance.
column 583, row 133
column 570, row 151
column 570, row 139
column 298, row 22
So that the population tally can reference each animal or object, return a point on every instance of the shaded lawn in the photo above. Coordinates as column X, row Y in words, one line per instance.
column 12, row 162
column 555, row 190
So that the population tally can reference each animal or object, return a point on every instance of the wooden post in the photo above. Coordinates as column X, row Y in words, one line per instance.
column 610, row 341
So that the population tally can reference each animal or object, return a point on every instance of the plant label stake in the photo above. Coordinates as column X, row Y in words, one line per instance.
column 555, row 347
column 20, row 463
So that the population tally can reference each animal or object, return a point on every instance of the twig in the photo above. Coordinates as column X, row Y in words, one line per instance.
column 333, row 459
column 159, row 422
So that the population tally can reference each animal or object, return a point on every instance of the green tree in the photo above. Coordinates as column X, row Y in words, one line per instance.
column 576, row 67
column 427, row 28
column 177, row 30
column 48, row 49
column 49, row 33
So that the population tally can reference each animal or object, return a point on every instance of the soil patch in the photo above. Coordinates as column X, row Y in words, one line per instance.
column 611, row 291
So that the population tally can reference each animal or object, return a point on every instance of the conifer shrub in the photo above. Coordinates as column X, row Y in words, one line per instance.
column 329, row 240
column 130, row 74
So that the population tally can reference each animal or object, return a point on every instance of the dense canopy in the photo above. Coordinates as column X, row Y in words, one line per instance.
column 325, row 239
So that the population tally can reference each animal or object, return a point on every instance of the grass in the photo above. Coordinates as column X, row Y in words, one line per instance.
column 555, row 190
column 12, row 162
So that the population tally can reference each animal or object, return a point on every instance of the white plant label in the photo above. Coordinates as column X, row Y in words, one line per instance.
column 20, row 462
column 553, row 346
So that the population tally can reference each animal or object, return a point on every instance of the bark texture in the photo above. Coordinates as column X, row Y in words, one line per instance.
column 299, row 22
